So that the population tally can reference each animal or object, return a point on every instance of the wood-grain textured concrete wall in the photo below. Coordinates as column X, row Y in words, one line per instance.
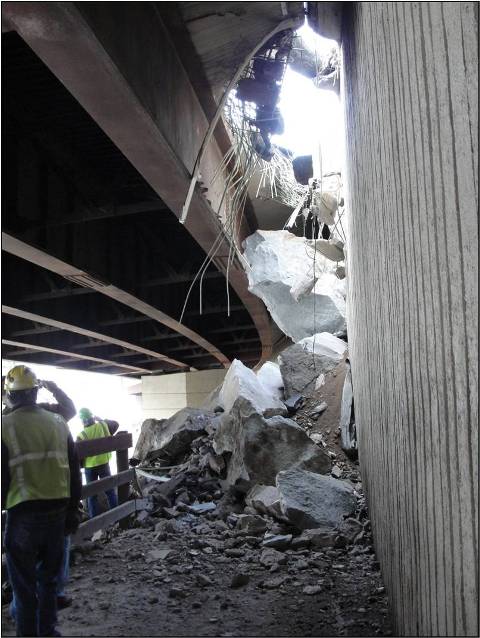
column 410, row 90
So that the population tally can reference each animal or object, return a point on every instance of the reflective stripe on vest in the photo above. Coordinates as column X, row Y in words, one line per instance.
column 37, row 443
column 97, row 430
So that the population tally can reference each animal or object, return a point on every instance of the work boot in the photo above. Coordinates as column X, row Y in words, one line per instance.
column 63, row 602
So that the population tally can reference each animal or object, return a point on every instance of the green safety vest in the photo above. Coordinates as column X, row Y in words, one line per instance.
column 96, row 431
column 37, row 443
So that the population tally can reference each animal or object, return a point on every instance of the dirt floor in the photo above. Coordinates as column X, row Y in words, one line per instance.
column 118, row 592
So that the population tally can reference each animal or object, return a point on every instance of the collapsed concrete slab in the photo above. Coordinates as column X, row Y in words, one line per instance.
column 302, row 363
column 310, row 500
column 171, row 437
column 302, row 297
column 242, row 383
column 260, row 448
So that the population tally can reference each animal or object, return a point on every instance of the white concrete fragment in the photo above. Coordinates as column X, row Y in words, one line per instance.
column 270, row 377
column 324, row 206
column 325, row 344
column 301, row 299
column 304, row 287
column 330, row 248
column 242, row 382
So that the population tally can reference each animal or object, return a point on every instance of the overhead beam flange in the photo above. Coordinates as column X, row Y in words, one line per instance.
column 73, row 355
column 41, row 258
column 30, row 316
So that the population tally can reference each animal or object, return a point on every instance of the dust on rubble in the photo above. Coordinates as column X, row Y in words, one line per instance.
column 217, row 557
column 214, row 583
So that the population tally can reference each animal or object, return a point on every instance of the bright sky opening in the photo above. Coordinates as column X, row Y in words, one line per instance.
column 312, row 116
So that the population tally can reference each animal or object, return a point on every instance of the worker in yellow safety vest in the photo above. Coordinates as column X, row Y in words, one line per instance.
column 97, row 467
column 41, row 490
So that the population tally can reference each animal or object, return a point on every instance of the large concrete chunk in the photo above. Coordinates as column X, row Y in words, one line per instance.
column 147, row 437
column 309, row 500
column 270, row 377
column 172, row 436
column 301, row 298
column 260, row 448
column 302, row 363
column 242, row 383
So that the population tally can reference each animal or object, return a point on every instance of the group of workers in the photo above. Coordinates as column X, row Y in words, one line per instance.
column 41, row 493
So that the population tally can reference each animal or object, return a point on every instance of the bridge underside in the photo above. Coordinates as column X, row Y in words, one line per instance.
column 105, row 108
column 96, row 266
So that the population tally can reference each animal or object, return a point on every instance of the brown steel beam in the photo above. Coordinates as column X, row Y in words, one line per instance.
column 102, row 338
column 150, row 143
column 41, row 258
column 73, row 355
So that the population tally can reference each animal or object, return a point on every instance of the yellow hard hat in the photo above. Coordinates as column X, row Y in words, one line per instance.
column 20, row 378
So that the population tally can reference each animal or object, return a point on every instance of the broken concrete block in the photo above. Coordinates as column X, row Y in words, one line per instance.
column 347, row 418
column 241, row 383
column 275, row 583
column 201, row 508
column 216, row 463
column 280, row 273
column 312, row 590
column 265, row 499
column 147, row 437
column 302, row 363
column 294, row 403
column 318, row 538
column 260, row 448
column 318, row 439
column 350, row 528
column 336, row 472
column 300, row 542
column 251, row 524
column 270, row 557
column 311, row 501
column 171, row 437
column 278, row 541
column 303, row 287
column 330, row 248
column 270, row 377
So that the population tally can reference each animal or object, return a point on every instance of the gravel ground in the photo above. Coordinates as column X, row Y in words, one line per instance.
column 117, row 591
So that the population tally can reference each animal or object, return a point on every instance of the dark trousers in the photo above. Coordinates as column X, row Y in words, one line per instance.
column 92, row 474
column 34, row 545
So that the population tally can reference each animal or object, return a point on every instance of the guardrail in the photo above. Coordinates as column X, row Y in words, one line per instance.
column 120, row 444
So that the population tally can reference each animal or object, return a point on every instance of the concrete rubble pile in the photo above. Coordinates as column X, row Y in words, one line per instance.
column 297, row 279
column 259, row 463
